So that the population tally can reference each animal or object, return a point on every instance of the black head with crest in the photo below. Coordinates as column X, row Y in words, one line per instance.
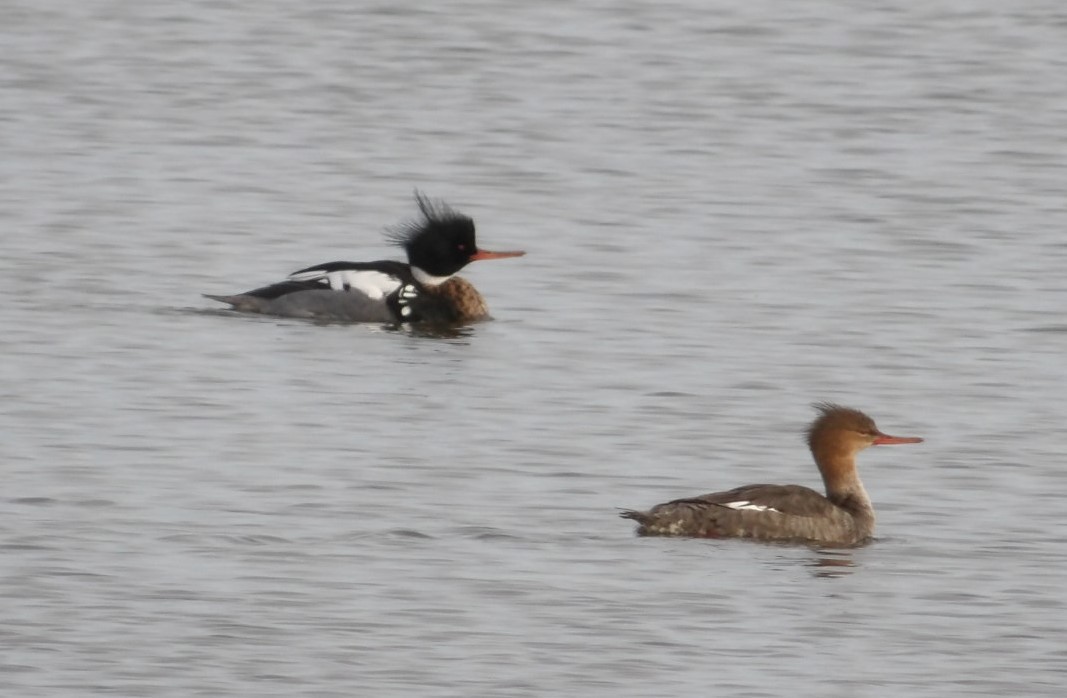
column 440, row 241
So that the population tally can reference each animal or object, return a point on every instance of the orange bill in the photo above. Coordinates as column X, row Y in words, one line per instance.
column 887, row 440
column 486, row 254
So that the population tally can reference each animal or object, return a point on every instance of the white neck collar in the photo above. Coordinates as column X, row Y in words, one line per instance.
column 428, row 279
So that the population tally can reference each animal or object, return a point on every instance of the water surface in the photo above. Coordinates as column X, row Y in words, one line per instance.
column 731, row 210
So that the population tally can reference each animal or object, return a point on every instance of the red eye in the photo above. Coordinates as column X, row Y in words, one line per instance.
column 461, row 246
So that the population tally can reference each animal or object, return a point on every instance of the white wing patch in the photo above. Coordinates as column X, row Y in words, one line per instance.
column 746, row 505
column 374, row 284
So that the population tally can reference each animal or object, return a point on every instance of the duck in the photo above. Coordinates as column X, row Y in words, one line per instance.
column 844, row 516
column 438, row 243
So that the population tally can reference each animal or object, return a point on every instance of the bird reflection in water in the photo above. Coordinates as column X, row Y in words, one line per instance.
column 831, row 563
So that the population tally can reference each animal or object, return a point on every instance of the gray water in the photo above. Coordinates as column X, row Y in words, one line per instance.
column 731, row 210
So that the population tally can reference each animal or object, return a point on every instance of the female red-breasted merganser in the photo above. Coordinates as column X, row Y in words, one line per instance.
column 426, row 289
column 788, row 513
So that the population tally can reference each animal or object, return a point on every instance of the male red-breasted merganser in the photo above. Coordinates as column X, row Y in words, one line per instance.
column 426, row 289
column 789, row 513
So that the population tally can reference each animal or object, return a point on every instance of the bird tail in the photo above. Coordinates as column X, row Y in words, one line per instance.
column 223, row 299
column 640, row 517
column 241, row 301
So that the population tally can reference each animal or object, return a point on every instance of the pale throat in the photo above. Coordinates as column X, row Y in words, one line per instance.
column 426, row 279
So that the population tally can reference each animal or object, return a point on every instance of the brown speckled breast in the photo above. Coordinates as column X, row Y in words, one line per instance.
column 454, row 301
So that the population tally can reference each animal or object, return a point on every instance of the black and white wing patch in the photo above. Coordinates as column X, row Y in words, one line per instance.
column 376, row 280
